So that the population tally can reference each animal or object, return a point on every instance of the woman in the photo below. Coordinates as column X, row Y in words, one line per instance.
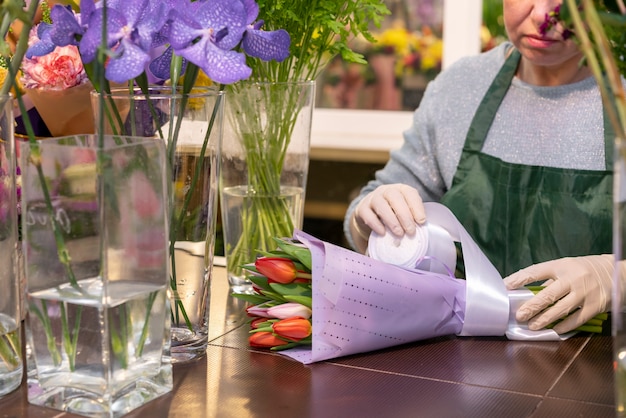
column 514, row 142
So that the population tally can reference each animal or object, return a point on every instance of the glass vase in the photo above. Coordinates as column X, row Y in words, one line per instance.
column 618, row 316
column 95, row 240
column 190, row 125
column 265, row 161
column 10, row 294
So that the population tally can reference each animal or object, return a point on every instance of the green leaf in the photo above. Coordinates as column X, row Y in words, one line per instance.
column 301, row 289
column 274, row 296
column 302, row 254
column 303, row 300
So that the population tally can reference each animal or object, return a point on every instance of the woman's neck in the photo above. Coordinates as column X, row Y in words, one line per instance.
column 552, row 75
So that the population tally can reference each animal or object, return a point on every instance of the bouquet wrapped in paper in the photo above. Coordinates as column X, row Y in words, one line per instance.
column 355, row 303
column 58, row 87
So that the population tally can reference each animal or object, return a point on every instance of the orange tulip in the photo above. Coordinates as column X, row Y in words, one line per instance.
column 281, row 270
column 265, row 339
column 294, row 329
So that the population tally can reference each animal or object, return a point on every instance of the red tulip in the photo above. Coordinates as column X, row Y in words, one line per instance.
column 293, row 329
column 265, row 339
column 281, row 270
column 254, row 324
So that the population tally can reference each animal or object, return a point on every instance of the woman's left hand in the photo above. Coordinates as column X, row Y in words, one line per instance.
column 578, row 288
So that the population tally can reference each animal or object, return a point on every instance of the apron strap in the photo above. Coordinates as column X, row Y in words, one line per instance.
column 486, row 112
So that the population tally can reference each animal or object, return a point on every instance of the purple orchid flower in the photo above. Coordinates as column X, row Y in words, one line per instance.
column 205, row 34
column 160, row 66
column 130, row 30
column 267, row 46
column 45, row 44
column 66, row 26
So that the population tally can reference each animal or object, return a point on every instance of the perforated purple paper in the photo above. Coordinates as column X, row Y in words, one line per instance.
column 361, row 304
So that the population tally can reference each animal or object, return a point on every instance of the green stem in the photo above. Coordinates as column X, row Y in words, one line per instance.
column 70, row 339
column 9, row 351
column 265, row 213
column 146, row 325
column 47, row 326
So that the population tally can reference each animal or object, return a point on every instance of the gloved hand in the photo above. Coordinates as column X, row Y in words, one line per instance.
column 395, row 206
column 578, row 288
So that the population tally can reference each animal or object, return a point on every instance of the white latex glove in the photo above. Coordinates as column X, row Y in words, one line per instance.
column 395, row 206
column 578, row 288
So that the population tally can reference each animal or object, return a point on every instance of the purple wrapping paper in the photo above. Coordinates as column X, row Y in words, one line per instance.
column 361, row 304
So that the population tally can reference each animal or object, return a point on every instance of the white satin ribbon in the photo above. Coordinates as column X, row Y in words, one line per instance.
column 519, row 330
column 487, row 302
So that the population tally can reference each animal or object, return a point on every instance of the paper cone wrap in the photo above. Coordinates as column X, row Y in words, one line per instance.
column 361, row 304
column 65, row 112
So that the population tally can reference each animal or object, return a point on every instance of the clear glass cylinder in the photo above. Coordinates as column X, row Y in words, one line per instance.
column 618, row 311
column 265, row 162
column 95, row 239
column 190, row 125
column 10, row 293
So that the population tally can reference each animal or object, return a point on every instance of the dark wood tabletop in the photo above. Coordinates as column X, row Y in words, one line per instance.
column 442, row 377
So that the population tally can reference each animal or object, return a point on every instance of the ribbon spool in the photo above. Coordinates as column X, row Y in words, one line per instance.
column 431, row 248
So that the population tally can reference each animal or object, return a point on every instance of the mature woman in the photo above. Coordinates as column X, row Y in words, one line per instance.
column 514, row 142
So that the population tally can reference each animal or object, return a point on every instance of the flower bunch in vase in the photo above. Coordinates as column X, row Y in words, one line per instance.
column 268, row 121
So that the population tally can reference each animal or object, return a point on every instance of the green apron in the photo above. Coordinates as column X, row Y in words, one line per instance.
column 519, row 214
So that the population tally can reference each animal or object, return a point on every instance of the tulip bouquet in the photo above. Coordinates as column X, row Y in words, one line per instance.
column 314, row 300
column 282, row 302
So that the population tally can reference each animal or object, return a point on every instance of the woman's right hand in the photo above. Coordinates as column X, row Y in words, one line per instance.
column 396, row 207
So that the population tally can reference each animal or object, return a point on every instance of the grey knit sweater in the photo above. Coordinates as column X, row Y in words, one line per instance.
column 558, row 126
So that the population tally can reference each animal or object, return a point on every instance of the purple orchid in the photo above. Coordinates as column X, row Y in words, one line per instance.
column 45, row 44
column 261, row 44
column 203, row 32
column 66, row 27
column 129, row 34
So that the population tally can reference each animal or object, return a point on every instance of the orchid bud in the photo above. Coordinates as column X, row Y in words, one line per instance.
column 293, row 329
column 265, row 339
column 281, row 270
column 289, row 310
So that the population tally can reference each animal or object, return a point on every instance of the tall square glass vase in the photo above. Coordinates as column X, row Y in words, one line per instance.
column 10, row 317
column 265, row 162
column 190, row 124
column 95, row 240
column 618, row 310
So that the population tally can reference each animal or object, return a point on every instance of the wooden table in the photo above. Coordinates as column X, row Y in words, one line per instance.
column 442, row 377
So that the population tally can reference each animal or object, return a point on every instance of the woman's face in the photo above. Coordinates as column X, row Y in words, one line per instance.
column 523, row 18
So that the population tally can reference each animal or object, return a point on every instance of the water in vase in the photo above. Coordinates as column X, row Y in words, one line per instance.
column 98, row 354
column 190, row 301
column 10, row 355
column 251, row 221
